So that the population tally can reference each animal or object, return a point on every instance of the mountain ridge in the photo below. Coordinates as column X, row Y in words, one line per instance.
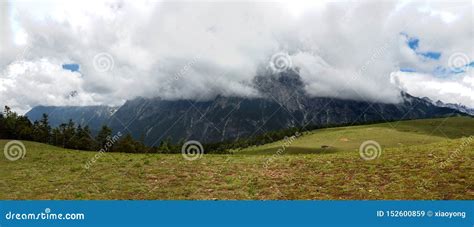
column 283, row 104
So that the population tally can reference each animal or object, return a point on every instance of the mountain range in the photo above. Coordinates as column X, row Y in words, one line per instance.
column 283, row 104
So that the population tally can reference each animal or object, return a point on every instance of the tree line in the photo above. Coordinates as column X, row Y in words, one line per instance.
column 75, row 136
column 67, row 135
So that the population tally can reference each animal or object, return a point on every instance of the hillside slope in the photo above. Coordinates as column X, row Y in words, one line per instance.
column 441, row 168
column 390, row 134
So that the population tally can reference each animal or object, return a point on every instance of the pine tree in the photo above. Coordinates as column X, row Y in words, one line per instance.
column 56, row 137
column 43, row 130
column 75, row 140
column 103, row 137
column 3, row 129
column 24, row 128
column 83, row 139
column 126, row 145
column 69, row 134
column 165, row 145
column 14, row 126
column 59, row 136
column 9, row 122
column 37, row 131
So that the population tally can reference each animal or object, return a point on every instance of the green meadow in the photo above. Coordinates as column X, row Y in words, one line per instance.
column 429, row 159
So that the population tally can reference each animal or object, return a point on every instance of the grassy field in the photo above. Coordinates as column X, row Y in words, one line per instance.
column 388, row 135
column 422, row 159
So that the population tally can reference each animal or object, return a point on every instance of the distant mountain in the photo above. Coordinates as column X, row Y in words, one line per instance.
column 94, row 116
column 283, row 104
column 459, row 107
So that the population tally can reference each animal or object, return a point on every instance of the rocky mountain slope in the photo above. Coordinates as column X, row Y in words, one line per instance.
column 283, row 104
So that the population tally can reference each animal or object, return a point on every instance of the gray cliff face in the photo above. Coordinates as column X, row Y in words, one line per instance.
column 283, row 104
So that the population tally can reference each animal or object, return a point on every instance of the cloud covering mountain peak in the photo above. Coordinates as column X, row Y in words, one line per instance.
column 183, row 50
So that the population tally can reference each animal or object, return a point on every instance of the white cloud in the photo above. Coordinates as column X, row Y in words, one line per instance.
column 34, row 83
column 342, row 49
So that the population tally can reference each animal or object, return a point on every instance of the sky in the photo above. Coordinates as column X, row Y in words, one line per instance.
column 106, row 52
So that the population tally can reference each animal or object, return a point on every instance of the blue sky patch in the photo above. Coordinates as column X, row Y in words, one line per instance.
column 430, row 54
column 408, row 70
column 71, row 67
column 414, row 42
column 441, row 71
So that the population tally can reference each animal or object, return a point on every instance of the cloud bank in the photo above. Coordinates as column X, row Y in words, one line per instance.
column 178, row 50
